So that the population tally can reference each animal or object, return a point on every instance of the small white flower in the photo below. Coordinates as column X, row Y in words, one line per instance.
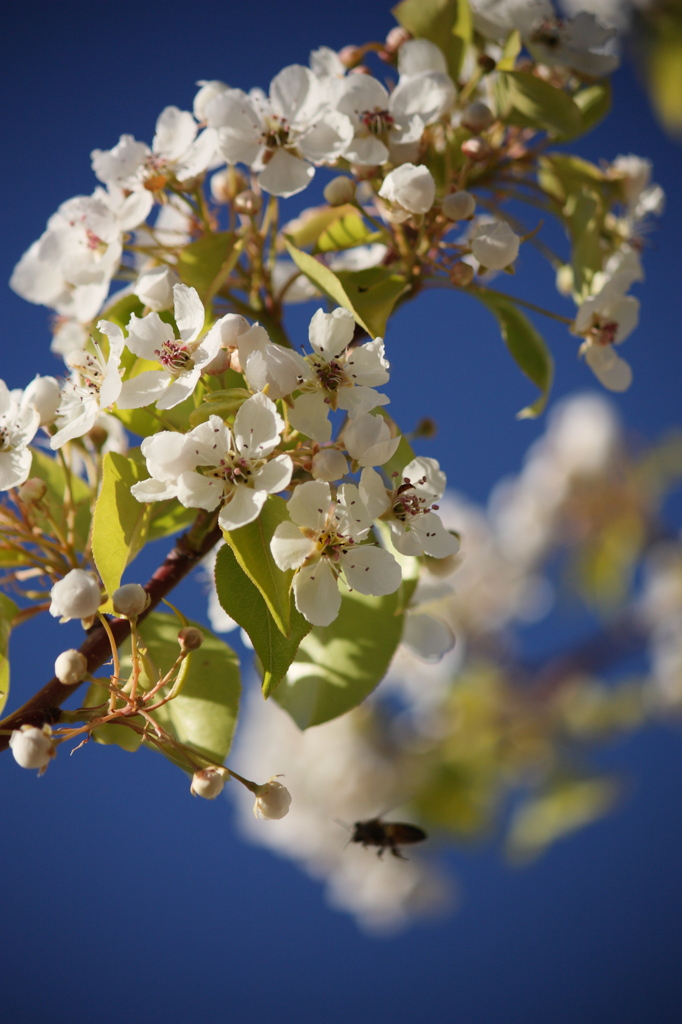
column 177, row 153
column 94, row 386
column 212, row 465
column 337, row 377
column 130, row 600
column 268, row 365
column 322, row 542
column 181, row 360
column 382, row 121
column 272, row 801
column 71, row 667
column 208, row 783
column 32, row 747
column 77, row 596
column 154, row 287
column 280, row 136
column 410, row 508
column 410, row 188
column 605, row 320
column 495, row 245
column 368, row 440
column 18, row 426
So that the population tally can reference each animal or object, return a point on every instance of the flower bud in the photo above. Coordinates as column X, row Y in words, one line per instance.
column 477, row 117
column 339, row 191
column 77, row 596
column 461, row 275
column 368, row 440
column 130, row 600
column 32, row 491
column 476, row 149
column 43, row 393
column 154, row 287
column 486, row 63
column 248, row 202
column 410, row 187
column 32, row 747
column 350, row 55
column 208, row 91
column 395, row 39
column 329, row 464
column 272, row 801
column 458, row 205
column 207, row 783
column 190, row 639
column 70, row 667
column 495, row 245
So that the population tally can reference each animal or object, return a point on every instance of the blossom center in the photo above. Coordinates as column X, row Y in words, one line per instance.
column 331, row 545
column 89, row 369
column 331, row 376
column 548, row 32
column 5, row 443
column 408, row 503
column 174, row 357
column 603, row 331
column 376, row 121
column 276, row 133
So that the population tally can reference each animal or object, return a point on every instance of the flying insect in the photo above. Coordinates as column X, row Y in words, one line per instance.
column 387, row 835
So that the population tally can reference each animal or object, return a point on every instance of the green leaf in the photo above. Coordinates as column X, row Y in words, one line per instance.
column 510, row 51
column 584, row 213
column 324, row 279
column 8, row 610
column 200, row 262
column 538, row 104
column 594, row 103
column 251, row 546
column 337, row 666
column 120, row 312
column 244, row 603
column 561, row 174
column 121, row 522
column 50, row 470
column 447, row 23
column 373, row 293
column 525, row 344
column 306, row 230
column 346, row 233
column 204, row 714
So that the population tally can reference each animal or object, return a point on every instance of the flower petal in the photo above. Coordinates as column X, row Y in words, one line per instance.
column 310, row 503
column 189, row 312
column 243, row 507
column 371, row 570
column 316, row 593
column 290, row 547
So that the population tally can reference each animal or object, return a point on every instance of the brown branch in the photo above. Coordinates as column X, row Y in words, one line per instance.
column 191, row 547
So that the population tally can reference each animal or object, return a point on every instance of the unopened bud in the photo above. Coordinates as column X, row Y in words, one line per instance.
column 77, row 596
column 426, row 427
column 32, row 490
column 32, row 747
column 225, row 185
column 154, row 287
column 130, row 600
column 458, row 205
column 71, row 667
column 477, row 117
column 329, row 464
column 248, row 202
column 190, row 639
column 395, row 39
column 495, row 245
column 272, row 801
column 350, row 55
column 44, row 395
column 461, row 275
column 476, row 149
column 98, row 436
column 339, row 191
column 207, row 783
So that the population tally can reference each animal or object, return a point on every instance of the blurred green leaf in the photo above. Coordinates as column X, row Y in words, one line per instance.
column 525, row 344
column 447, row 23
column 200, row 262
column 373, row 293
column 346, row 233
column 567, row 806
column 324, row 279
column 8, row 610
column 50, row 470
column 245, row 604
column 538, row 104
column 306, row 230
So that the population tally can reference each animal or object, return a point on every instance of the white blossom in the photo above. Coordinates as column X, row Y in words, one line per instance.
column 32, row 747
column 410, row 188
column 410, row 508
column 337, row 377
column 94, row 386
column 280, row 137
column 416, row 56
column 77, row 596
column 322, row 542
column 154, row 287
column 177, row 153
column 181, row 360
column 208, row 90
column 213, row 466
column 495, row 245
column 265, row 364
column 272, row 801
column 18, row 426
column 382, row 122
column 605, row 320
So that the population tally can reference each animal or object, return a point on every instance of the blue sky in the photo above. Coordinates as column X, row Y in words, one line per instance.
column 123, row 898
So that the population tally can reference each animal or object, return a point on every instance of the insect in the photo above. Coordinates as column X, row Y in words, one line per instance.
column 386, row 835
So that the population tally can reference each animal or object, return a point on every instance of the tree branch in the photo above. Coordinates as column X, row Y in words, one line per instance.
column 191, row 547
